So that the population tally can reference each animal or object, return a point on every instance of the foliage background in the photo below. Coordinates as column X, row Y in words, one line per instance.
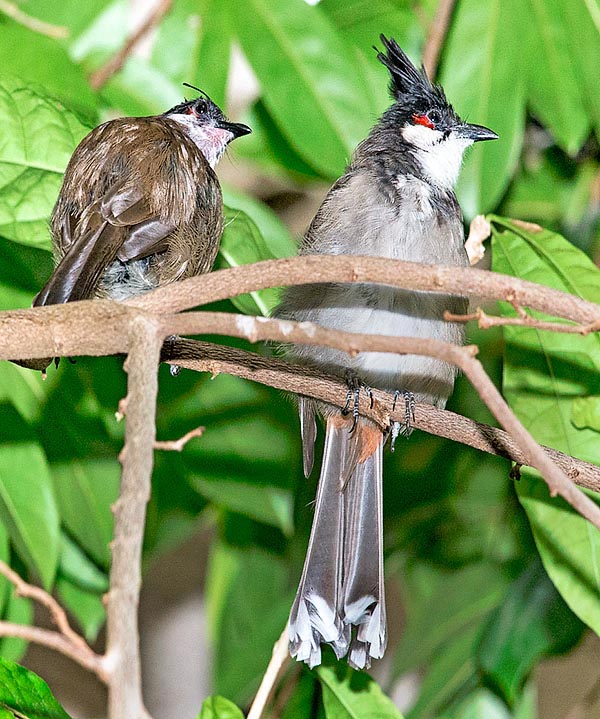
column 473, row 608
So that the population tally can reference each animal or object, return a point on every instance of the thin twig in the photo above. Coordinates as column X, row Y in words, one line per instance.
column 279, row 659
column 122, row 635
column 437, row 35
column 24, row 589
column 58, row 642
column 217, row 359
column 32, row 23
column 486, row 321
column 176, row 445
column 102, row 75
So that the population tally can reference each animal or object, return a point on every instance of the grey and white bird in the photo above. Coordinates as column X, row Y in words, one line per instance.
column 395, row 200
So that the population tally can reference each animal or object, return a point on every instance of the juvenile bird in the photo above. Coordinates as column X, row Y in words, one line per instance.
column 395, row 200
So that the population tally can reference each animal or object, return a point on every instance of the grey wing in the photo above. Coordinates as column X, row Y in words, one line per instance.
column 119, row 224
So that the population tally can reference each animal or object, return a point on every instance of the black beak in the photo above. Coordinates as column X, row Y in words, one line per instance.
column 476, row 133
column 237, row 129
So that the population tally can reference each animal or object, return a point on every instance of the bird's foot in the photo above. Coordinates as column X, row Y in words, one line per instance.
column 168, row 351
column 355, row 386
column 402, row 428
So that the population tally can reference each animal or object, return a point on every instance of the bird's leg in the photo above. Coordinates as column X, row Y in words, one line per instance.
column 404, row 428
column 353, row 396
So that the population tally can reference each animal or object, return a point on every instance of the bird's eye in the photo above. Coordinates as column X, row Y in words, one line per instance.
column 201, row 107
column 424, row 120
column 435, row 116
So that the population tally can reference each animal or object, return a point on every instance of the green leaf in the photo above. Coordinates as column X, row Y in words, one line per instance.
column 481, row 704
column 77, row 568
column 553, row 89
column 311, row 82
column 254, row 603
column 581, row 18
column 242, row 244
column 45, row 64
column 585, row 413
column 38, row 137
column 485, row 86
column 85, row 490
column 217, row 707
column 24, row 694
column 27, row 503
column 86, row 607
column 23, row 389
column 348, row 694
column 540, row 624
column 18, row 611
column 544, row 372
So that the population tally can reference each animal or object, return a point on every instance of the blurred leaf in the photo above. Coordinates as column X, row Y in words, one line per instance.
column 36, row 143
column 85, row 490
column 217, row 707
column 585, row 413
column 103, row 33
column 24, row 694
column 22, row 388
column 243, row 244
column 481, row 704
column 543, row 373
column 532, row 621
column 458, row 600
column 581, row 18
column 80, row 570
column 19, row 611
column 47, row 65
column 311, row 83
column 27, row 503
column 303, row 696
column 485, row 88
column 72, row 14
column 254, row 604
column 553, row 90
column 348, row 694
column 86, row 607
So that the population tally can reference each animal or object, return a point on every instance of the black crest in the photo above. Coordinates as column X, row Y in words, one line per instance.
column 405, row 79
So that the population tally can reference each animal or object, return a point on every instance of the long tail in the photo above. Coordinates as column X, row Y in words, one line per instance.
column 342, row 581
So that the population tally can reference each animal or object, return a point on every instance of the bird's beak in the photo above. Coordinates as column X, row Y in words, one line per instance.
column 475, row 133
column 237, row 129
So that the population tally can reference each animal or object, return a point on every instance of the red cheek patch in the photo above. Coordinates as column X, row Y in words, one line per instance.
column 423, row 120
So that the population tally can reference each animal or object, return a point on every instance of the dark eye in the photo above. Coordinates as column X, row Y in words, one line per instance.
column 435, row 116
column 201, row 107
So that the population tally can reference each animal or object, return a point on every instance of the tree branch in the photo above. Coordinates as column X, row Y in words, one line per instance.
column 437, row 34
column 122, row 636
column 102, row 75
column 32, row 23
column 176, row 445
column 299, row 379
column 485, row 321
column 279, row 659
column 57, row 641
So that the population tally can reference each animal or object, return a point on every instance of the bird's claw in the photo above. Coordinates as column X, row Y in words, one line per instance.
column 404, row 428
column 353, row 397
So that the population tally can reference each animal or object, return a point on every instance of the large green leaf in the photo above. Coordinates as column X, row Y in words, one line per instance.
column 27, row 503
column 311, row 81
column 250, row 601
column 540, row 624
column 545, row 374
column 348, row 694
column 45, row 64
column 37, row 139
column 485, row 87
column 554, row 93
column 24, row 694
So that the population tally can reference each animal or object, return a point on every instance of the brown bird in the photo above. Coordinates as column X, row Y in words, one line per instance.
column 140, row 205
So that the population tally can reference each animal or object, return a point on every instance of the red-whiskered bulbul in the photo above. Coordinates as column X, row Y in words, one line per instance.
column 395, row 200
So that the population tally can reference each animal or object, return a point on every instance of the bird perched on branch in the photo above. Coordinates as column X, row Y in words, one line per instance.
column 140, row 205
column 395, row 200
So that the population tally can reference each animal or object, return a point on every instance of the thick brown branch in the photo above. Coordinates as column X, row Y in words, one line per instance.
column 122, row 636
column 102, row 75
column 464, row 281
column 217, row 359
column 57, row 641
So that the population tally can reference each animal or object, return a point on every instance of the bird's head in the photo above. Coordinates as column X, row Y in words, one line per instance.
column 207, row 126
column 430, row 128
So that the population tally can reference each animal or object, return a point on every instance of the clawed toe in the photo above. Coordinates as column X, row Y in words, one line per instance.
column 404, row 428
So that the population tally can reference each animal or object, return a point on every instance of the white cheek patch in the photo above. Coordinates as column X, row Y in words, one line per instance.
column 440, row 157
column 210, row 140
column 421, row 135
